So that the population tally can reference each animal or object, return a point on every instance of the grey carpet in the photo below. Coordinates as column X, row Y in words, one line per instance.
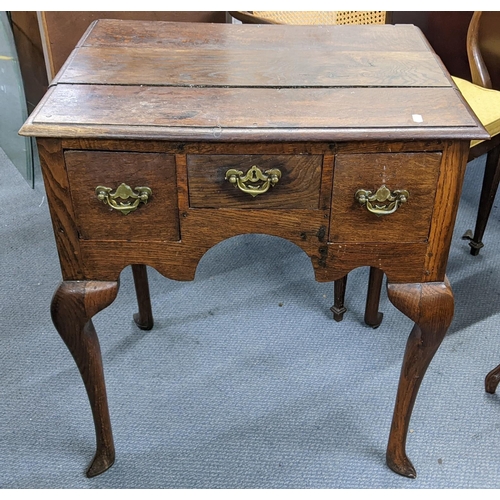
column 245, row 381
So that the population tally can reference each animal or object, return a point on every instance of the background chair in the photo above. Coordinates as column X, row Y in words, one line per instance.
column 483, row 96
column 483, row 50
column 311, row 17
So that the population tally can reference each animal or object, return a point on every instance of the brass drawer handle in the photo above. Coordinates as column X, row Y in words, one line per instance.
column 124, row 192
column 388, row 202
column 247, row 182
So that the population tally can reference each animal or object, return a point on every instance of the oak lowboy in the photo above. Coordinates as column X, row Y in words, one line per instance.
column 159, row 140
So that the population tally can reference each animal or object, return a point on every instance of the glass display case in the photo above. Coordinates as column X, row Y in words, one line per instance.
column 13, row 107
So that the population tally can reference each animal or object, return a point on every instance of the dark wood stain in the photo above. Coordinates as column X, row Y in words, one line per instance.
column 298, row 186
column 156, row 105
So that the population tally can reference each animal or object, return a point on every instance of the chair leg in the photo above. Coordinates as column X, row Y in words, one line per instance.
column 488, row 192
column 338, row 309
column 492, row 379
column 373, row 317
column 144, row 318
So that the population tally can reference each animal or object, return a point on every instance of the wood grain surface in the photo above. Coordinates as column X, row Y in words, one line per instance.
column 155, row 220
column 237, row 67
column 449, row 188
column 415, row 172
column 175, row 113
column 298, row 187
column 107, row 32
column 61, row 208
column 431, row 306
column 62, row 29
column 212, row 82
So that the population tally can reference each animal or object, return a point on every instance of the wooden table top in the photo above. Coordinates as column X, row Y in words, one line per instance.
column 225, row 82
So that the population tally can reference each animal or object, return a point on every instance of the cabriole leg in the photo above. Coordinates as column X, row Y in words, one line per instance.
column 73, row 306
column 431, row 306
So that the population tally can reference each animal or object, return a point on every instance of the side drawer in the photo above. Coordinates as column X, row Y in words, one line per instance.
column 298, row 186
column 417, row 173
column 157, row 219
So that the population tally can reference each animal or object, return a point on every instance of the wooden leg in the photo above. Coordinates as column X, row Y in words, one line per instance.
column 488, row 192
column 492, row 379
column 338, row 308
column 431, row 306
column 144, row 318
column 73, row 305
column 373, row 317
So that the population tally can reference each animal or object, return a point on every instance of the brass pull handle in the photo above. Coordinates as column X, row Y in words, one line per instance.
column 383, row 202
column 255, row 181
column 131, row 197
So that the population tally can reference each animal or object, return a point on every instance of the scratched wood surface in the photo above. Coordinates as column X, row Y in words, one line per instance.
column 194, row 35
column 298, row 187
column 415, row 172
column 155, row 220
column 192, row 81
column 80, row 110
column 237, row 67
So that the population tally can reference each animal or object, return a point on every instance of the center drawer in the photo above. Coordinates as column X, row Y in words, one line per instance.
column 298, row 181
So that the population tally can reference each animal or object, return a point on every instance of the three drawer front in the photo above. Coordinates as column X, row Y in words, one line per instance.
column 254, row 181
column 124, row 196
column 383, row 197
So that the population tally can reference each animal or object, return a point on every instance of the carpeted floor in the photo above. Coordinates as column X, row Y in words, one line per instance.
column 245, row 381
